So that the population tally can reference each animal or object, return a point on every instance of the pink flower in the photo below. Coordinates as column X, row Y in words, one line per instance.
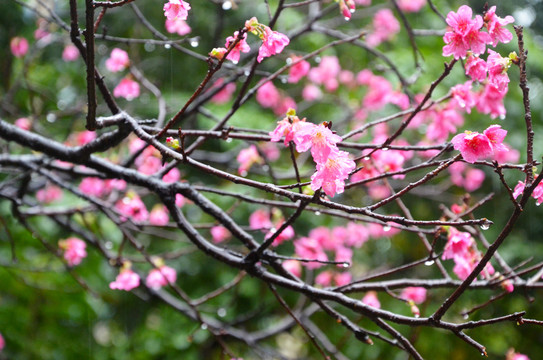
column 310, row 249
column 92, row 186
column 126, row 280
column 464, row 34
column 74, row 250
column 415, row 294
column 241, row 46
column 178, row 26
column 128, row 89
column 260, row 220
column 84, row 137
column 160, row 277
column 179, row 200
column 324, row 238
column 176, row 9
column 225, row 94
column 246, row 158
column 286, row 234
column 385, row 26
column 490, row 101
column 497, row 70
column 495, row 24
column 472, row 145
column 411, row 5
column 326, row 73
column 49, row 194
column 267, row 95
column 219, row 234
column 284, row 105
column 476, row 68
column 519, row 189
column 270, row 151
column 458, row 244
column 474, row 179
column 2, row 342
column 172, row 176
column 19, row 46
column 298, row 70
column 70, row 53
column 462, row 267
column 319, row 138
column 311, row 92
column 118, row 60
column 132, row 207
column 332, row 174
column 344, row 254
column 287, row 128
column 159, row 215
column 149, row 165
column 496, row 134
column 357, row 235
column 371, row 299
column 324, row 278
column 273, row 43
column 293, row 266
column 518, row 356
column 342, row 279
column 23, row 123
column 114, row 184
column 463, row 96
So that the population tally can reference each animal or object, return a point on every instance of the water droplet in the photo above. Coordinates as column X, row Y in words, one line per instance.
column 246, row 72
column 317, row 213
column 346, row 265
column 385, row 149
column 465, row 316
column 537, row 203
column 283, row 80
column 229, row 140
column 126, row 200
column 289, row 61
column 265, row 167
column 482, row 354
column 272, row 230
column 203, row 327
column 502, row 117
column 108, row 245
column 347, row 18
column 386, row 228
column 429, row 262
column 366, row 158
column 318, row 59
column 227, row 5
column 167, row 46
column 243, row 173
column 485, row 226
column 417, row 316
column 221, row 312
column 235, row 62
column 51, row 117
column 149, row 47
column 194, row 43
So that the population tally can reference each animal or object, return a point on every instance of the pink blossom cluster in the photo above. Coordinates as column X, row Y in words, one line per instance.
column 385, row 26
column 268, row 96
column 246, row 158
column 512, row 355
column 18, row 46
column 2, row 342
column 127, row 88
column 149, row 161
column 475, row 146
column 462, row 249
column 159, row 215
column 126, row 279
column 261, row 220
column 225, row 93
column 463, row 176
column 70, row 53
column 466, row 33
column 160, row 277
column 131, row 207
column 273, row 42
column 410, row 6
column 49, row 194
column 177, row 26
column 492, row 75
column 94, row 186
column 536, row 194
column 74, row 250
column 219, row 234
column 176, row 9
column 333, row 165
column 371, row 299
column 347, row 8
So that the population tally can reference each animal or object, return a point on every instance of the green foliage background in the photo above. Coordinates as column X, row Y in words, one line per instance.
column 45, row 314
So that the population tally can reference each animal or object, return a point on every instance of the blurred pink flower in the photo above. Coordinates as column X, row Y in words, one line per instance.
column 298, row 70
column 411, row 5
column 371, row 299
column 293, row 266
column 118, row 60
column 267, row 95
column 49, row 194
column 178, row 26
column 246, row 158
column 385, row 26
column 160, row 277
column 219, row 234
column 273, row 43
column 126, row 280
column 176, row 9
column 415, row 294
column 19, row 46
column 23, row 123
column 159, row 215
column 70, row 53
column 127, row 88
column 74, row 250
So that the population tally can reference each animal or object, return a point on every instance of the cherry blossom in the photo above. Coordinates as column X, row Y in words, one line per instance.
column 49, row 194
column 463, row 96
column 310, row 249
column 319, row 138
column 495, row 26
column 385, row 26
column 131, row 206
column 476, row 68
column 160, row 277
column 225, row 94
column 70, row 53
column 118, row 60
column 178, row 26
column 219, row 234
column 273, row 43
column 246, row 158
column 326, row 73
column 464, row 34
column 260, row 220
column 331, row 175
column 240, row 47
column 267, row 95
column 19, row 46
column 298, row 70
column 2, row 342
column 293, row 266
column 176, row 9
column 127, row 88
column 371, row 299
column 458, row 244
column 74, row 250
column 411, row 5
column 159, row 215
column 472, row 145
column 126, row 280
column 93, row 186
column 311, row 92
column 23, row 123
column 415, row 294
